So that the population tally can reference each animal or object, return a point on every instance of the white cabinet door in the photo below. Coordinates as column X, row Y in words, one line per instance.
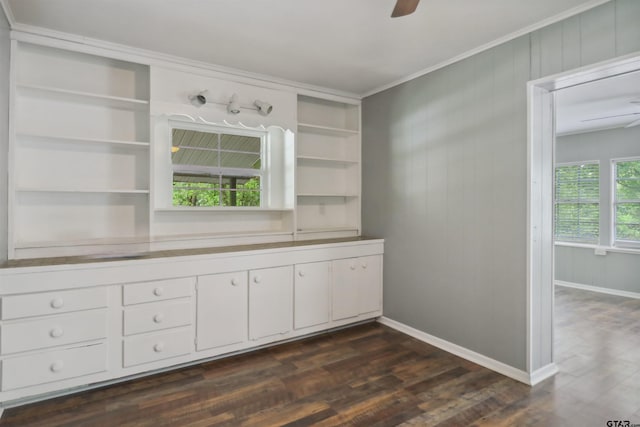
column 345, row 301
column 357, row 286
column 221, row 310
column 270, row 301
column 370, row 283
column 311, row 294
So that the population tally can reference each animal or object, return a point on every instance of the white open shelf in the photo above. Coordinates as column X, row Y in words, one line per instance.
column 326, row 130
column 326, row 159
column 82, row 140
column 82, row 190
column 75, row 95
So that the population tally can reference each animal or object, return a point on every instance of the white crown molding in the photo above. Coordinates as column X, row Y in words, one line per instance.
column 531, row 28
column 472, row 356
column 39, row 35
column 8, row 12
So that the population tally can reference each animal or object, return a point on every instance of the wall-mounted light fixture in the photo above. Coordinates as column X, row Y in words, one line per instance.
column 264, row 108
column 199, row 99
column 233, row 107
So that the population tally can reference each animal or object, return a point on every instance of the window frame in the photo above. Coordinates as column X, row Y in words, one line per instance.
column 555, row 202
column 262, row 173
column 615, row 242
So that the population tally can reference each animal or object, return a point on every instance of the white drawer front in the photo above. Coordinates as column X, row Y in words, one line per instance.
column 52, row 331
column 158, row 290
column 156, row 316
column 149, row 348
column 14, row 307
column 53, row 366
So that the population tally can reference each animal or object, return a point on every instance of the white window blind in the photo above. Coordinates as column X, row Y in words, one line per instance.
column 577, row 202
column 626, row 204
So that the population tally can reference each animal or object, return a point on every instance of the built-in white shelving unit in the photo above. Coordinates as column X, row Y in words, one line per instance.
column 79, row 151
column 328, row 168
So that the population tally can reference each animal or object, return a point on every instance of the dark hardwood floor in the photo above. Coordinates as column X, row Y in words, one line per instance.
column 371, row 375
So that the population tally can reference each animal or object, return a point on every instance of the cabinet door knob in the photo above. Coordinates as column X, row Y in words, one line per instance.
column 158, row 318
column 364, row 265
column 56, row 366
column 57, row 303
column 257, row 279
column 234, row 282
column 352, row 266
column 158, row 347
column 301, row 273
column 56, row 332
column 158, row 292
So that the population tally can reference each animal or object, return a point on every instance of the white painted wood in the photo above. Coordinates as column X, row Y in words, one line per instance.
column 370, row 291
column 220, row 322
column 33, row 334
column 158, row 290
column 51, row 366
column 345, row 288
column 222, row 310
column 270, row 302
column 599, row 289
column 39, row 304
column 311, row 294
column 141, row 349
column 157, row 316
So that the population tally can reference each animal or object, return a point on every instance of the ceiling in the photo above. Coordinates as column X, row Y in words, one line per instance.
column 609, row 103
column 344, row 45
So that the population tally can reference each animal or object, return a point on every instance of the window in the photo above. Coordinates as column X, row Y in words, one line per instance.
column 626, row 202
column 577, row 207
column 217, row 168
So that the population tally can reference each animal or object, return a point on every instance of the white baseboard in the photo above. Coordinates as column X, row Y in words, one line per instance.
column 543, row 373
column 608, row 291
column 472, row 356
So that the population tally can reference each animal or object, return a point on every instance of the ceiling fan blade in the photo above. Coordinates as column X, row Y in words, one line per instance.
column 632, row 124
column 404, row 7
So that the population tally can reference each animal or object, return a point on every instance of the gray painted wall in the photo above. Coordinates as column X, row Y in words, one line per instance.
column 618, row 271
column 444, row 182
column 5, row 45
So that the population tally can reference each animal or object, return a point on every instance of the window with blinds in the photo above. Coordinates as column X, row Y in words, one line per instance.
column 577, row 202
column 626, row 202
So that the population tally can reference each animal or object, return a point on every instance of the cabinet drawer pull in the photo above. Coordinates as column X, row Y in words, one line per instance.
column 158, row 318
column 158, row 347
column 257, row 279
column 301, row 273
column 57, row 303
column 56, row 366
column 158, row 292
column 56, row 332
column 235, row 282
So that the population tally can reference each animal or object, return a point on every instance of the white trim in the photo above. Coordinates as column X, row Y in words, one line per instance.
column 472, row 356
column 12, row 22
column 543, row 373
column 608, row 291
column 612, row 249
column 526, row 30
column 43, row 36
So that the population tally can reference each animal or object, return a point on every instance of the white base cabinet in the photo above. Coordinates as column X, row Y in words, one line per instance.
column 270, row 307
column 311, row 293
column 221, row 310
column 357, row 286
column 81, row 325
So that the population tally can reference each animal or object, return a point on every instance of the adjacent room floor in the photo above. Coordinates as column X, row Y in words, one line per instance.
column 370, row 375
